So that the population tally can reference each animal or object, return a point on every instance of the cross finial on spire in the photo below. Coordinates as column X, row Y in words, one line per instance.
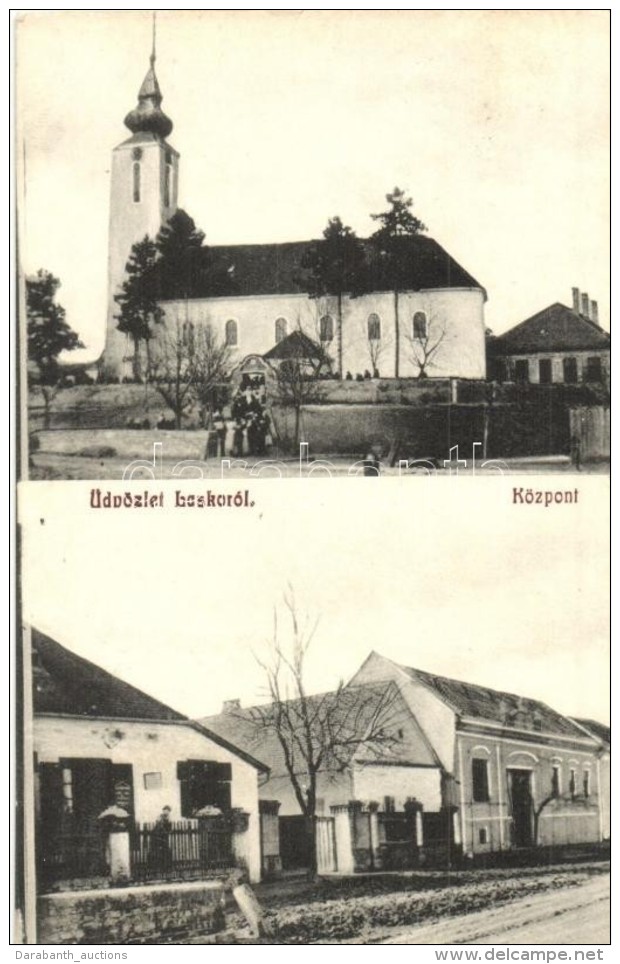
column 154, row 37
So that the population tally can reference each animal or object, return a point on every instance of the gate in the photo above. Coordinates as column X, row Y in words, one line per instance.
column 184, row 850
column 398, row 840
column 71, row 855
column 326, row 845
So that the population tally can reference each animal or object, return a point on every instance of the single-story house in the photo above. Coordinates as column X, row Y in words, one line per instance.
column 466, row 770
column 100, row 742
column 558, row 345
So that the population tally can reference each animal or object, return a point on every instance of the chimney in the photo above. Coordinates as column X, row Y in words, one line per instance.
column 576, row 300
column 585, row 305
column 594, row 312
column 230, row 706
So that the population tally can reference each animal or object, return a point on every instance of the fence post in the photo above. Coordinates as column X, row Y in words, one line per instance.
column 413, row 809
column 345, row 860
column 114, row 821
column 373, row 820
column 270, row 836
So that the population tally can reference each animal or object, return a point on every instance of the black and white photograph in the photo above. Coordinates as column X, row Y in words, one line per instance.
column 346, row 748
column 376, row 237
column 261, row 256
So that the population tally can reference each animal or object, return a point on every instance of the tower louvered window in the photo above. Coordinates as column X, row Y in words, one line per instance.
column 136, row 182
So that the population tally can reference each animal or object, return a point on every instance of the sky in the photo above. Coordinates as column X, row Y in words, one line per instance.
column 496, row 123
column 446, row 575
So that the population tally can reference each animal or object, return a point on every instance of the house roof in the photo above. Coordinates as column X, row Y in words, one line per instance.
column 599, row 730
column 66, row 683
column 351, row 712
column 556, row 328
column 277, row 269
column 69, row 685
column 485, row 704
column 295, row 345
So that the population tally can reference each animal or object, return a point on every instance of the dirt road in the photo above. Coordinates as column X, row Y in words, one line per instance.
column 576, row 915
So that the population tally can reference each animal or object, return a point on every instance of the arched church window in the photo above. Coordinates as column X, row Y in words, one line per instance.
column 374, row 327
column 136, row 182
column 188, row 333
column 326, row 328
column 419, row 325
column 281, row 329
column 232, row 333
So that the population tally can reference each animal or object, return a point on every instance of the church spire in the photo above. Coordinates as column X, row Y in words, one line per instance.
column 148, row 117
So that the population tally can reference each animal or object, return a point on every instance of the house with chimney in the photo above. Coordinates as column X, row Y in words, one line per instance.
column 108, row 756
column 558, row 345
column 470, row 772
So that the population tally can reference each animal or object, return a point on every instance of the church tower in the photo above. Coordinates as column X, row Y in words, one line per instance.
column 144, row 183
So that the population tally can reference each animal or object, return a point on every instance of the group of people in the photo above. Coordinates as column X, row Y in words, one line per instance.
column 246, row 432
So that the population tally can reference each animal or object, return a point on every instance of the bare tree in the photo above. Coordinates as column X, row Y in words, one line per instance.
column 212, row 361
column 188, row 365
column 319, row 734
column 427, row 334
column 299, row 368
column 374, row 347
column 544, row 803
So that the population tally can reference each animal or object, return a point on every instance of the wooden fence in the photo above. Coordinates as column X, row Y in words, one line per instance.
column 184, row 850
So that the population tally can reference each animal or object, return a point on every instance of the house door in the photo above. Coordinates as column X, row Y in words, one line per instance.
column 520, row 786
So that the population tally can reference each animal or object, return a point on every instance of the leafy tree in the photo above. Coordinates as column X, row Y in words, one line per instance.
column 48, row 336
column 335, row 267
column 186, row 266
column 137, row 299
column 179, row 244
column 397, row 225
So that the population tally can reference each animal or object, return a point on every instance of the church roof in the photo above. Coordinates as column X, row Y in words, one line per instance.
column 277, row 269
column 556, row 328
column 148, row 117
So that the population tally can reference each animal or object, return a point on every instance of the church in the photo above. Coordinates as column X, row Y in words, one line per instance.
column 432, row 326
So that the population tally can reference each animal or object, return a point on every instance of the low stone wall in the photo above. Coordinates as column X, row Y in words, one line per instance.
column 154, row 914
column 126, row 443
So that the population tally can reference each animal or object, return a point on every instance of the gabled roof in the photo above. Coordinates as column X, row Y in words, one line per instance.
column 483, row 703
column 599, row 730
column 66, row 683
column 277, row 269
column 295, row 345
column 556, row 328
column 351, row 712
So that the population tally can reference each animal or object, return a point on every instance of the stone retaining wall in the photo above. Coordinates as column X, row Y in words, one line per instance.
column 157, row 914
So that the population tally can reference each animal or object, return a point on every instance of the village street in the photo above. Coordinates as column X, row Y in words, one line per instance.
column 576, row 915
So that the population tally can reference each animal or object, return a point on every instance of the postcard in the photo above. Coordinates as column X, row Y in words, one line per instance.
column 313, row 633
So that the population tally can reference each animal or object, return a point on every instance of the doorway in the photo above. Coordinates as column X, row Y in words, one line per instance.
column 520, row 789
